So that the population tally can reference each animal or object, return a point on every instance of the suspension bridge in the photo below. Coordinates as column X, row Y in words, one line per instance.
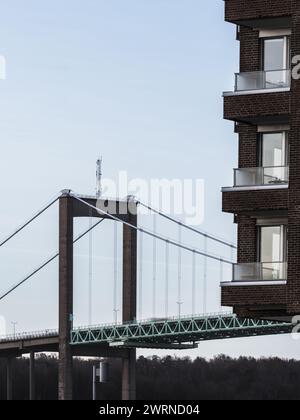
column 121, row 339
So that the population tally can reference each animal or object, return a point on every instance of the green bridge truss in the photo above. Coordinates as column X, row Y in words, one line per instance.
column 177, row 333
column 171, row 333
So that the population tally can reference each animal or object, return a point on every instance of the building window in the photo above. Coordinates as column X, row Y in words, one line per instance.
column 276, row 53
column 272, row 244
column 276, row 62
column 274, row 149
column 273, row 252
column 274, row 157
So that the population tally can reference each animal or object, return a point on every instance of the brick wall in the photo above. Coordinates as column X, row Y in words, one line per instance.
column 253, row 201
column 264, row 109
column 246, row 107
column 272, row 313
column 249, row 50
column 253, row 9
column 247, row 239
column 294, row 196
column 247, row 146
column 253, row 296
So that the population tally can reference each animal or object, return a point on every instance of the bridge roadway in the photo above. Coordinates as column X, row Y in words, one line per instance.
column 169, row 333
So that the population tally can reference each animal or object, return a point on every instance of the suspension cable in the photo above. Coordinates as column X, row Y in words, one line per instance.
column 221, row 280
column 167, row 256
column 141, row 275
column 148, row 232
column 205, row 278
column 193, row 283
column 115, row 290
column 191, row 228
column 221, row 271
column 27, row 223
column 179, row 301
column 46, row 262
column 90, row 303
column 154, row 273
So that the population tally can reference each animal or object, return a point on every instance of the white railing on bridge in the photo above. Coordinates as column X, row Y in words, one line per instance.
column 54, row 332
column 28, row 335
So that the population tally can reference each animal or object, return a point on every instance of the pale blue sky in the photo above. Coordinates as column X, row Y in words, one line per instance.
column 138, row 81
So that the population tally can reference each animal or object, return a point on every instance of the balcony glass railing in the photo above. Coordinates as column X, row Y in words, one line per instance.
column 247, row 177
column 258, row 80
column 252, row 272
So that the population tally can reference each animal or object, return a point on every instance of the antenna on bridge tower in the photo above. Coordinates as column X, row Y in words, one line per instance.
column 98, row 195
column 99, row 178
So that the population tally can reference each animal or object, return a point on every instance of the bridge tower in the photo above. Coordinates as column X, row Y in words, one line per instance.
column 69, row 209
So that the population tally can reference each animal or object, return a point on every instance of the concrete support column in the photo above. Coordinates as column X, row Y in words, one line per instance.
column 129, row 303
column 32, row 376
column 9, row 379
column 129, row 376
column 65, row 383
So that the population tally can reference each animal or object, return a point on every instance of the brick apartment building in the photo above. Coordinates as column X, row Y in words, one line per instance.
column 265, row 195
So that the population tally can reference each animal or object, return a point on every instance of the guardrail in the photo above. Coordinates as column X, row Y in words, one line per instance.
column 259, row 80
column 248, row 177
column 260, row 271
column 29, row 335
column 185, row 329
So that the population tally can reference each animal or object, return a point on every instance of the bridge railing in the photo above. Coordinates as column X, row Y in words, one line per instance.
column 176, row 329
column 179, row 330
column 54, row 332
column 153, row 320
column 28, row 335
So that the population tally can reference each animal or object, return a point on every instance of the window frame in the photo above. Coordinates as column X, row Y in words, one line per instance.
column 287, row 39
column 259, row 157
column 284, row 241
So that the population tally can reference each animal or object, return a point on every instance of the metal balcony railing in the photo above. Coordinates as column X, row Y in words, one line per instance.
column 258, row 80
column 248, row 177
column 260, row 271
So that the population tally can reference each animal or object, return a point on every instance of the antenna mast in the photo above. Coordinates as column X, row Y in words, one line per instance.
column 99, row 178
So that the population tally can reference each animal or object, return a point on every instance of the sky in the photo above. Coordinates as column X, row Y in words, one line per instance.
column 140, row 83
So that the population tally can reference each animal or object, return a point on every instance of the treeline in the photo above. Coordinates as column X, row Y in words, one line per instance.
column 168, row 378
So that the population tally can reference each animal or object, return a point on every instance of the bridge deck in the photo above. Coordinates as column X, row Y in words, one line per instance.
column 168, row 332
column 159, row 333
column 46, row 342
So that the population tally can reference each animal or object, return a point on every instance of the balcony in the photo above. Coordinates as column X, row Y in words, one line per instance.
column 257, row 290
column 260, row 272
column 262, row 80
column 261, row 97
column 257, row 190
column 261, row 176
